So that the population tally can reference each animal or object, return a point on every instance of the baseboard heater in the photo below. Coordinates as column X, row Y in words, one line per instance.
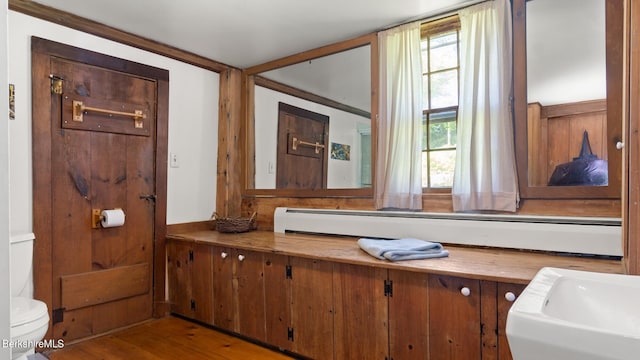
column 575, row 235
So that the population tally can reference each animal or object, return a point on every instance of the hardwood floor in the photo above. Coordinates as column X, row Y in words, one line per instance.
column 167, row 338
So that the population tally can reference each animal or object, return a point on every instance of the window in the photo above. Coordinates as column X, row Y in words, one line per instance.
column 440, row 74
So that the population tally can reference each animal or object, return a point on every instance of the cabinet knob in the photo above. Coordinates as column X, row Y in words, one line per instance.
column 510, row 296
column 224, row 255
column 240, row 257
column 465, row 291
column 619, row 145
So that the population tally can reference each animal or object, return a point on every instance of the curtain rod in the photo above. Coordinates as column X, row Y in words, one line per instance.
column 438, row 14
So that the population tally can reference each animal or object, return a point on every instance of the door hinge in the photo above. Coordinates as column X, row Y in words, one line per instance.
column 56, row 84
column 290, row 334
column 191, row 255
column 288, row 272
column 57, row 315
column 388, row 288
column 193, row 305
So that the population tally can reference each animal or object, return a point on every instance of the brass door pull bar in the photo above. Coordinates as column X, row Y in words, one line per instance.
column 79, row 108
column 295, row 142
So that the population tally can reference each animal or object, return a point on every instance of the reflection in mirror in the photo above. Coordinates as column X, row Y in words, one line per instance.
column 566, row 92
column 335, row 87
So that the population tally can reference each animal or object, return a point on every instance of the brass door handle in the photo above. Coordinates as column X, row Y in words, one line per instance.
column 79, row 108
column 295, row 142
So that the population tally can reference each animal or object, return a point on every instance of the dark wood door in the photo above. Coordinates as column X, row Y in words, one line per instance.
column 361, row 329
column 102, row 158
column 303, row 138
column 454, row 318
column 312, row 308
column 409, row 315
column 507, row 293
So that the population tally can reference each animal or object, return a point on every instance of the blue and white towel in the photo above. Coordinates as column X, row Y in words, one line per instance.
column 402, row 249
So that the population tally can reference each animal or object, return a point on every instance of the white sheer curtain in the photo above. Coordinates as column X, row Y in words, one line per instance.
column 485, row 174
column 399, row 158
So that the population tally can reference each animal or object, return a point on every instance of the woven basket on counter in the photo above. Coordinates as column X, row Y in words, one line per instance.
column 235, row 225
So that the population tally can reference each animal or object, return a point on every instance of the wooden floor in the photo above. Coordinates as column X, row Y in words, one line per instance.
column 167, row 338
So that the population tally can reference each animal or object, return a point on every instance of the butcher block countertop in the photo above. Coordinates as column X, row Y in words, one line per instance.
column 493, row 264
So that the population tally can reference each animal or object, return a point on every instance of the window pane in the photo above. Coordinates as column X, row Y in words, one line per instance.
column 425, row 92
column 442, row 130
column 424, row 48
column 424, row 133
column 425, row 169
column 444, row 52
column 444, row 89
column 441, row 167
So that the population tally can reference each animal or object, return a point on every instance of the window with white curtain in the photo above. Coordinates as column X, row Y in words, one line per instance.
column 440, row 74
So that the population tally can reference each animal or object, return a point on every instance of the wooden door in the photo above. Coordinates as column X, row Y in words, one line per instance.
column 102, row 276
column 312, row 308
column 303, row 138
column 409, row 315
column 190, row 278
column 105, row 156
column 454, row 319
column 504, row 302
column 249, row 294
column 361, row 329
column 223, row 312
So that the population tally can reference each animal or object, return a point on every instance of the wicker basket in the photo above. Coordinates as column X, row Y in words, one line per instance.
column 235, row 225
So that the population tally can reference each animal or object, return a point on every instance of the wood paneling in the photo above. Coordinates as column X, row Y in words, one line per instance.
column 555, row 135
column 89, row 288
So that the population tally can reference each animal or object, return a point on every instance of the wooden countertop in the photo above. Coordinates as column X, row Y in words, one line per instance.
column 478, row 263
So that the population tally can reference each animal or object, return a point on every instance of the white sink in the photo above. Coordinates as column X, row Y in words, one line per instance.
column 570, row 314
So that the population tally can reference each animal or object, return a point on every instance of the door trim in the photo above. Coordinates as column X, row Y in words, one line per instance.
column 41, row 51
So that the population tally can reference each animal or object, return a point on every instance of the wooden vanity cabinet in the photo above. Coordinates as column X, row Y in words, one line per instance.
column 190, row 277
column 333, row 310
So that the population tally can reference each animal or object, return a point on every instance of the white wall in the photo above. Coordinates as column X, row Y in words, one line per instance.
column 343, row 129
column 5, row 298
column 193, row 122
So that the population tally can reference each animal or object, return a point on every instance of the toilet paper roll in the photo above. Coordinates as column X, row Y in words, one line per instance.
column 112, row 218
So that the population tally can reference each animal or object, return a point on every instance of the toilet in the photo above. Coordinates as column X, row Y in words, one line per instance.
column 29, row 317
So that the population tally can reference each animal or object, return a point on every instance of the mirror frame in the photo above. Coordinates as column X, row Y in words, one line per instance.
column 614, row 13
column 248, row 130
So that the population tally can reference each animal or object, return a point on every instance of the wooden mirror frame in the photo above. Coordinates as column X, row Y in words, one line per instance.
column 248, row 130
column 614, row 68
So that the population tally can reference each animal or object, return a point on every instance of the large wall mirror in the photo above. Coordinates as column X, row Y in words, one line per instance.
column 309, row 122
column 569, row 126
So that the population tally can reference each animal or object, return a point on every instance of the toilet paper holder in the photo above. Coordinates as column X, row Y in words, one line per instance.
column 97, row 217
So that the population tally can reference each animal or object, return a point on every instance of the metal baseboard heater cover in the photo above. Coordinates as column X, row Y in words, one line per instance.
column 576, row 235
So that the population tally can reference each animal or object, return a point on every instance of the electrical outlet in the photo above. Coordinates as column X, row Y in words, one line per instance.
column 173, row 160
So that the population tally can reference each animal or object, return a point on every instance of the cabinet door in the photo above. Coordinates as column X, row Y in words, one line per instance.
column 454, row 318
column 202, row 283
column 249, row 294
column 361, row 311
column 312, row 308
column 505, row 300
column 223, row 312
column 277, row 291
column 179, row 277
column 409, row 315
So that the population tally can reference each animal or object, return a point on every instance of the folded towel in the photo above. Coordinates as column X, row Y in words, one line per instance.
column 402, row 249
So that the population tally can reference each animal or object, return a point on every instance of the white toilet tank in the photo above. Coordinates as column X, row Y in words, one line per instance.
column 22, row 265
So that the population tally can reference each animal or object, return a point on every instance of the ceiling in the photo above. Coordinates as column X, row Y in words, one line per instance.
column 244, row 33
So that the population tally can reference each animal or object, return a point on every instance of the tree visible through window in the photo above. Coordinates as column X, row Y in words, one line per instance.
column 440, row 74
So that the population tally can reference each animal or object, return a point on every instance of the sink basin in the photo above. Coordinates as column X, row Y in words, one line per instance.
column 569, row 314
